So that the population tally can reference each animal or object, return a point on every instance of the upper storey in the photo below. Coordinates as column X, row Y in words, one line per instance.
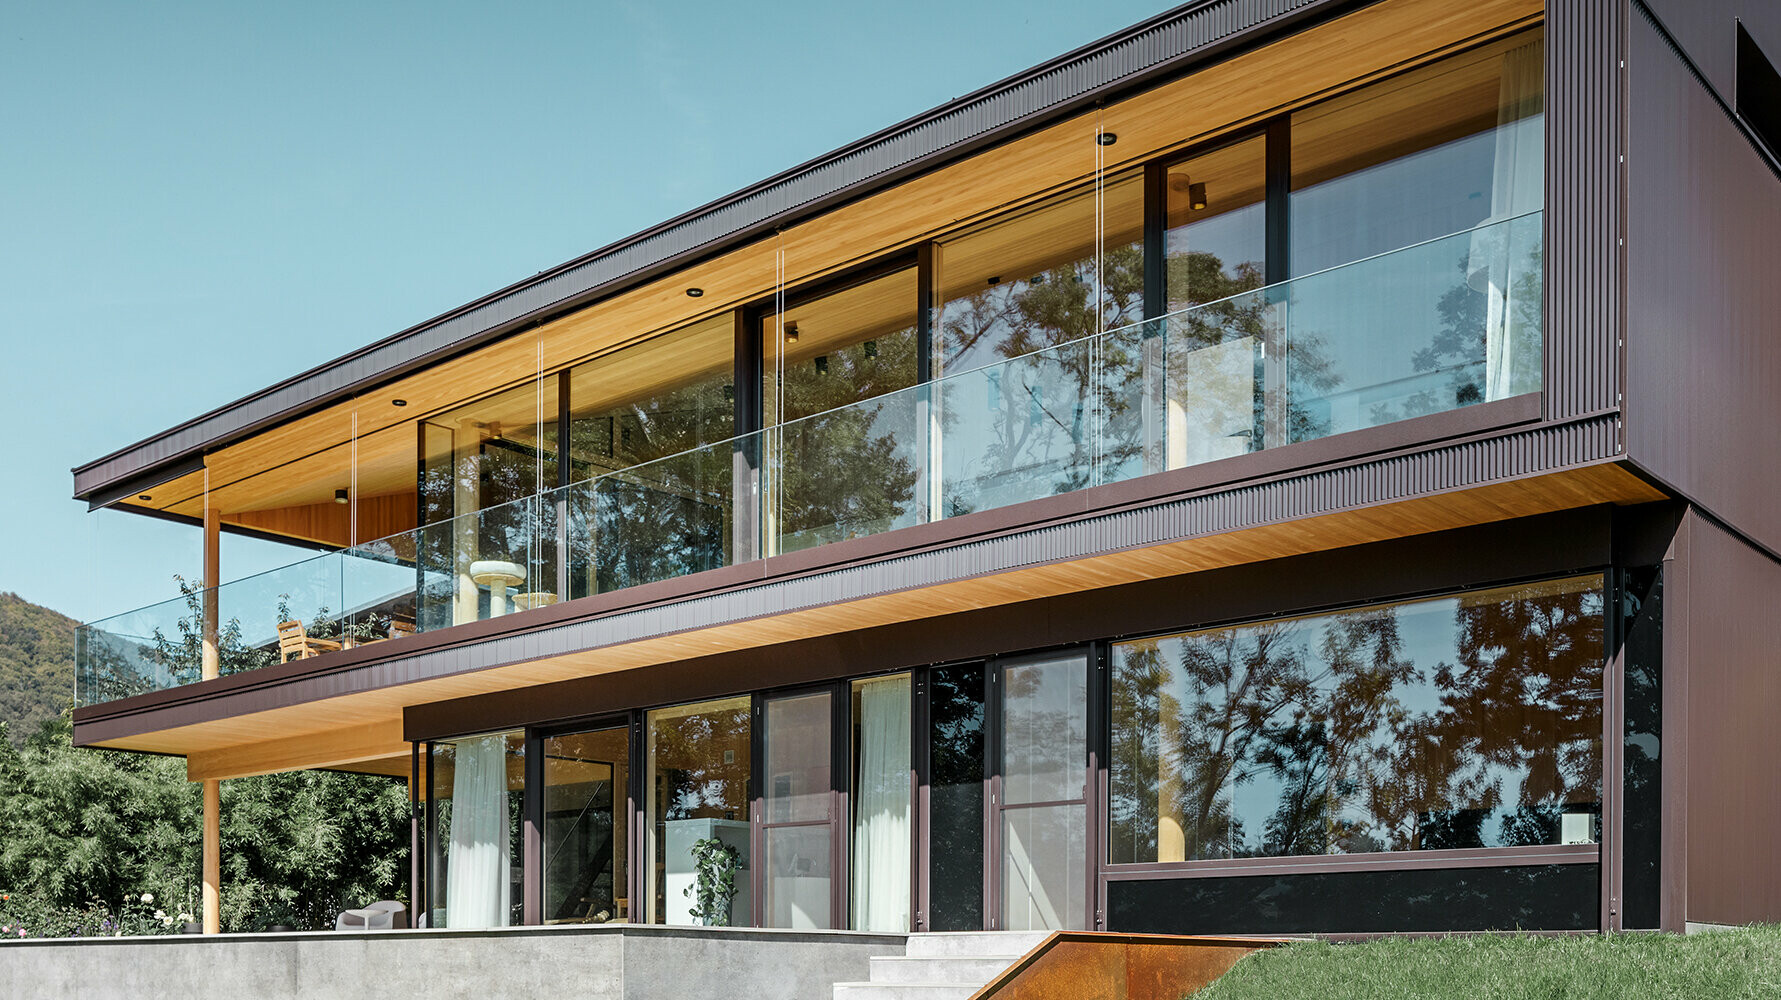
column 1237, row 253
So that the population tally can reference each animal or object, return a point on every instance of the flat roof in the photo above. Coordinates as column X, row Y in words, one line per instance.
column 1125, row 60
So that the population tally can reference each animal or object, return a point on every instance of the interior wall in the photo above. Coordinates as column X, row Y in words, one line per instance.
column 1702, row 302
column 1722, row 667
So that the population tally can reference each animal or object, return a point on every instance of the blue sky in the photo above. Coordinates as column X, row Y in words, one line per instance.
column 197, row 200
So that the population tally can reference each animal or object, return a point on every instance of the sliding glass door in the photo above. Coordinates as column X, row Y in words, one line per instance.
column 799, row 850
column 1040, row 794
column 585, row 841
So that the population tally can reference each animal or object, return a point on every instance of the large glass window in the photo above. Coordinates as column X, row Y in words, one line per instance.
column 478, row 813
column 696, row 788
column 658, row 505
column 1458, row 722
column 1453, row 153
column 585, row 850
column 848, row 462
column 1038, row 285
column 1214, row 355
column 798, row 817
column 1043, row 817
column 955, row 797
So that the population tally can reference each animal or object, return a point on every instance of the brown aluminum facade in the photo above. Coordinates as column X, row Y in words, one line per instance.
column 1660, row 368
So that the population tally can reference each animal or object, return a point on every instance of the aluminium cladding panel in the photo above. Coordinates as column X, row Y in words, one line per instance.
column 1704, row 30
column 1125, row 59
column 1703, row 354
column 1431, row 471
column 1584, row 116
column 1722, row 669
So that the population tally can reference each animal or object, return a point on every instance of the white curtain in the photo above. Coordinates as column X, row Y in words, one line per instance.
column 881, row 822
column 1511, row 363
column 477, row 871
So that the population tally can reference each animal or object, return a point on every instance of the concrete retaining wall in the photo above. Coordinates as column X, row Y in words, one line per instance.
column 610, row 962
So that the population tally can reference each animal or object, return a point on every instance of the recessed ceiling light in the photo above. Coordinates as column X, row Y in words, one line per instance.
column 398, row 402
column 1107, row 138
column 693, row 293
column 142, row 496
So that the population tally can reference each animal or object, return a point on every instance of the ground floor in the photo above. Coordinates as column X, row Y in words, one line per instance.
column 1452, row 731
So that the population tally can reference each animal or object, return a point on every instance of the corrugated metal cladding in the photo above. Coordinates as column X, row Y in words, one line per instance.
column 1585, row 44
column 1462, row 464
column 1174, row 38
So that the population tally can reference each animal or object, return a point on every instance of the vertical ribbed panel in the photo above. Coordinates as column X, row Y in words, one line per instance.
column 1584, row 200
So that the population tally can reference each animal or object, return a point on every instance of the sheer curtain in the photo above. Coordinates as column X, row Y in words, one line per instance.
column 881, row 822
column 477, row 867
column 1511, row 356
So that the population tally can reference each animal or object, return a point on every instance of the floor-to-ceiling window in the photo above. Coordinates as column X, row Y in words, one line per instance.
column 585, row 849
column 1040, row 285
column 1042, row 816
column 696, row 788
column 653, row 485
column 477, row 815
column 956, row 797
column 847, row 459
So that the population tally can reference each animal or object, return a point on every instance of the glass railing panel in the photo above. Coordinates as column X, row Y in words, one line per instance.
column 1432, row 327
column 1211, row 387
column 855, row 471
column 1443, row 324
column 283, row 614
column 653, row 521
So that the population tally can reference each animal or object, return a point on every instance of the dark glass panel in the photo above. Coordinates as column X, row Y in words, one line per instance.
column 1642, row 787
column 1535, row 897
column 585, row 849
column 955, row 798
column 475, row 856
column 1468, row 721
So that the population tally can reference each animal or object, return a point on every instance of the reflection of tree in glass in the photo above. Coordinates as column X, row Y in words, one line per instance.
column 1365, row 750
column 1053, row 414
column 850, row 469
column 694, row 780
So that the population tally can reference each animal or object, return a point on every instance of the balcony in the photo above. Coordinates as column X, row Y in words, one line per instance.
column 1429, row 328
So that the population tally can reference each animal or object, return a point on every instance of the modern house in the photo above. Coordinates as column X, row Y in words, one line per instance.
column 1290, row 466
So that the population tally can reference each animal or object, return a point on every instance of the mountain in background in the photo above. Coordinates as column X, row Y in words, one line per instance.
column 36, row 664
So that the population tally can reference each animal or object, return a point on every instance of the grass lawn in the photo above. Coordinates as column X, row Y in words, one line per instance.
column 1721, row 965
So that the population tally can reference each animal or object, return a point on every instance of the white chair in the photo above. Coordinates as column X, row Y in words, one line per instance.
column 397, row 912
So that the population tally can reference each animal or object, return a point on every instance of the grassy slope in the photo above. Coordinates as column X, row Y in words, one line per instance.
column 1728, row 965
column 36, row 664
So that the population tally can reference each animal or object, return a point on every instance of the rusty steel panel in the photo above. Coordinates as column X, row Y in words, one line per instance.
column 1071, row 965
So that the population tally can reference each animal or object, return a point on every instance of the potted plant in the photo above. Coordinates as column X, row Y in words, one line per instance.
column 715, row 864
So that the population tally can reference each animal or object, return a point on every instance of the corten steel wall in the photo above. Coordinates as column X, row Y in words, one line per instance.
column 1197, row 31
column 1703, row 409
column 1722, row 737
column 1703, row 28
column 1583, row 205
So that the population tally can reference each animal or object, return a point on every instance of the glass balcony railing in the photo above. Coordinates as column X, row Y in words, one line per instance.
column 1436, row 326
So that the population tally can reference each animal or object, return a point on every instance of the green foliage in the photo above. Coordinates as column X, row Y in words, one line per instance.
column 87, row 831
column 714, row 885
column 1729, row 965
column 36, row 663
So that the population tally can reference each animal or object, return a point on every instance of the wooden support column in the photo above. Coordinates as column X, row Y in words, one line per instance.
column 213, row 848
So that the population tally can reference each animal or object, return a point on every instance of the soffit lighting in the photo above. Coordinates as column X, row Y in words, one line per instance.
column 791, row 333
column 340, row 496
column 693, row 293
column 1107, row 138
column 398, row 402
column 1196, row 196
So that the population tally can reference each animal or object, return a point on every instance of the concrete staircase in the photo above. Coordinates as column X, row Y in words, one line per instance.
column 947, row 966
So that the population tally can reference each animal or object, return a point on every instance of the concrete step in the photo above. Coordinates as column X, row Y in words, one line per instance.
column 981, row 943
column 904, row 991
column 973, row 969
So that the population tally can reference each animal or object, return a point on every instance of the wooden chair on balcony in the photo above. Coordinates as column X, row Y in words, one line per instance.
column 295, row 643
column 400, row 629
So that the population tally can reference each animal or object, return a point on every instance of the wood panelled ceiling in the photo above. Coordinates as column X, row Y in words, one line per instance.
column 227, row 746
column 305, row 460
